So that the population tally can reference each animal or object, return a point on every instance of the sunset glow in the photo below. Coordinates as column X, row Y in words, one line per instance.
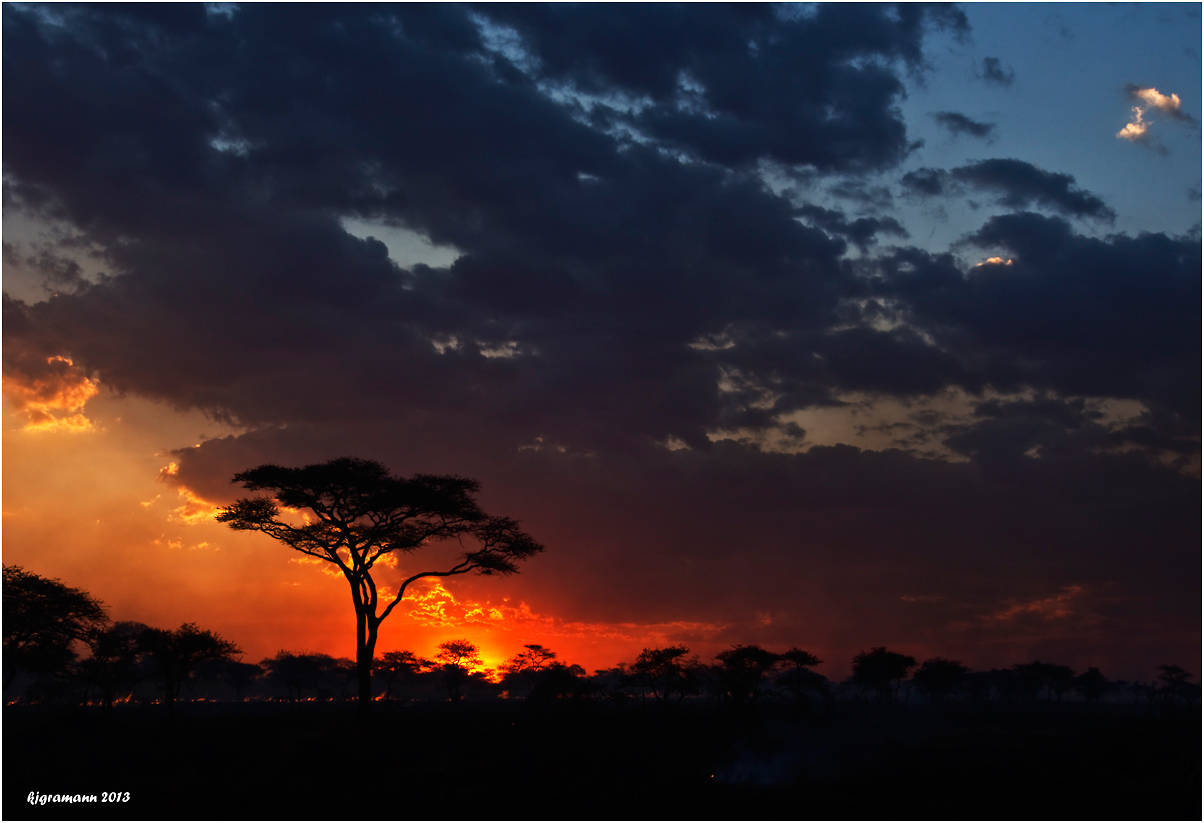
column 52, row 398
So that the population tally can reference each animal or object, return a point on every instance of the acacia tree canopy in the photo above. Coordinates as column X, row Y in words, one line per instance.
column 43, row 619
column 665, row 671
column 361, row 513
column 938, row 677
column 880, row 669
column 175, row 654
column 455, row 659
column 742, row 668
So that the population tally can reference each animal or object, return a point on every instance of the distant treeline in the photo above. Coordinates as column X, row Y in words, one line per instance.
column 61, row 647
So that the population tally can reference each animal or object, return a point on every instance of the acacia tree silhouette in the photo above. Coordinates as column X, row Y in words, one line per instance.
column 455, row 657
column 881, row 670
column 175, row 655
column 113, row 666
column 43, row 619
column 527, row 664
column 360, row 514
column 937, row 677
column 1092, row 685
column 1174, row 681
column 797, row 678
column 741, row 670
column 665, row 671
column 396, row 667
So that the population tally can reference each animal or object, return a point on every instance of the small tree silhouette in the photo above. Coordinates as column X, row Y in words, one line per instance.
column 797, row 679
column 113, row 667
column 741, row 670
column 526, row 666
column 455, row 657
column 558, row 681
column 938, row 678
column 1055, row 679
column 667, row 671
column 1174, row 680
column 359, row 514
column 881, row 670
column 397, row 667
column 174, row 655
column 235, row 674
column 294, row 671
column 618, row 685
column 1092, row 685
column 1030, row 679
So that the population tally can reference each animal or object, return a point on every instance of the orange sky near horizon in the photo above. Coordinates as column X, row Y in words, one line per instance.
column 87, row 504
column 90, row 498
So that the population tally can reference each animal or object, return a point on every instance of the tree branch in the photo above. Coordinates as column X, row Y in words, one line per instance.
column 460, row 568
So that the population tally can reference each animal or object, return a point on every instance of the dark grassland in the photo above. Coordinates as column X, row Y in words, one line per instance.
column 566, row 761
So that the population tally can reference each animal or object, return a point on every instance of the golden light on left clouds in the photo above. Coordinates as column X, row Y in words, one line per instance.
column 52, row 397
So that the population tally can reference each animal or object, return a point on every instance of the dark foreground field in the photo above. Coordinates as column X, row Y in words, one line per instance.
column 515, row 761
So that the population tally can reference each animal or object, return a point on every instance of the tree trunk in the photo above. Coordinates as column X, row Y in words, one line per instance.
column 365, row 649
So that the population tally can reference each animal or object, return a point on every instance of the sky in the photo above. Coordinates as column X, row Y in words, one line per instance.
column 829, row 326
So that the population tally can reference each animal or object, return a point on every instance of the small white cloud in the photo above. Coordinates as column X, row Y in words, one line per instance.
column 1150, row 99
column 1136, row 130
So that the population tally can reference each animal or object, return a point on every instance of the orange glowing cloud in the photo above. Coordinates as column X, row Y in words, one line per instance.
column 51, row 397
column 193, row 510
column 431, row 605
column 995, row 261
column 1137, row 129
column 1153, row 97
column 1149, row 98
column 1057, row 607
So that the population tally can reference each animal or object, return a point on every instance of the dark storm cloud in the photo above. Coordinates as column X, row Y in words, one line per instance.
column 734, row 84
column 957, row 124
column 626, row 278
column 173, row 127
column 1021, row 184
column 1114, row 317
column 1018, row 185
column 861, row 232
column 993, row 72
column 925, row 182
